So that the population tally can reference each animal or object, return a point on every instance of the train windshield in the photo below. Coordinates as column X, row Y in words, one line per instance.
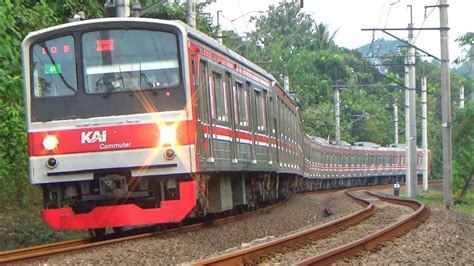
column 129, row 59
column 107, row 72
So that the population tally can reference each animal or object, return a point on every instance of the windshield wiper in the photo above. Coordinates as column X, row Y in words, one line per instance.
column 147, row 80
column 104, row 82
column 113, row 84
column 149, row 83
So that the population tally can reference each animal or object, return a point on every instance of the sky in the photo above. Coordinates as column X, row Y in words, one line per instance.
column 348, row 17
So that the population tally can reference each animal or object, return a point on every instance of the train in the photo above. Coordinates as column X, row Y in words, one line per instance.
column 136, row 121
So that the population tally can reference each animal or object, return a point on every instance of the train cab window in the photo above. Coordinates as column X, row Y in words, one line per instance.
column 113, row 63
column 54, row 68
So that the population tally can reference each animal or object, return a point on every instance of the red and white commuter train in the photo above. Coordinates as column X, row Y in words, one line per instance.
column 135, row 121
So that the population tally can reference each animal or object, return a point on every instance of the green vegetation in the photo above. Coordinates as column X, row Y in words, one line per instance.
column 436, row 197
column 23, row 228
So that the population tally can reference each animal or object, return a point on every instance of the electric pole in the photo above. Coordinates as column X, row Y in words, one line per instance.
column 445, row 105
column 337, row 114
column 424, row 132
column 412, row 110
column 122, row 8
column 191, row 13
column 461, row 97
column 407, row 126
column 395, row 121
column 219, row 30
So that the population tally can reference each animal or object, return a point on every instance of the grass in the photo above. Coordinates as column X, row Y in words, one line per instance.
column 24, row 227
column 436, row 197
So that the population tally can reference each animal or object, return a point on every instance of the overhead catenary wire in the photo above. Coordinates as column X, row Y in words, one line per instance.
column 423, row 23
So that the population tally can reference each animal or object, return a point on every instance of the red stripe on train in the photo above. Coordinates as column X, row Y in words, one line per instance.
column 108, row 138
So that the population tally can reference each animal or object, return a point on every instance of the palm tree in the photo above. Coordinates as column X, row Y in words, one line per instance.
column 323, row 38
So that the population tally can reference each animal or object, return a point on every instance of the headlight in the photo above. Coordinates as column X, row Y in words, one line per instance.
column 50, row 142
column 167, row 135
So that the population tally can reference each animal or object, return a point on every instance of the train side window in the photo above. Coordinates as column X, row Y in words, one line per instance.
column 236, row 89
column 220, row 96
column 245, row 106
column 262, row 110
column 271, row 114
column 212, row 97
column 202, row 91
column 226, row 93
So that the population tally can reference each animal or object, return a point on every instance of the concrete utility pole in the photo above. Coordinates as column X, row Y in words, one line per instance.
column 461, row 97
column 122, row 8
column 395, row 121
column 407, row 126
column 446, row 106
column 424, row 132
column 337, row 114
column 219, row 30
column 412, row 111
column 191, row 13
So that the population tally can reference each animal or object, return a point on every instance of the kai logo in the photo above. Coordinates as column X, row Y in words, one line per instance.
column 93, row 136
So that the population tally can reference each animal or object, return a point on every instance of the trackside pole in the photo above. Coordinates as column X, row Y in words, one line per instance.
column 424, row 132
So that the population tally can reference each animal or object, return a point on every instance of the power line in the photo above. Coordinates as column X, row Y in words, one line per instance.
column 424, row 20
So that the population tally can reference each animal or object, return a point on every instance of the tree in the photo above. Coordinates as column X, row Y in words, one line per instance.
column 298, row 47
column 463, row 157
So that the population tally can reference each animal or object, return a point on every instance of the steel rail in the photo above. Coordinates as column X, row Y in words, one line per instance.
column 373, row 240
column 78, row 244
column 71, row 245
column 249, row 254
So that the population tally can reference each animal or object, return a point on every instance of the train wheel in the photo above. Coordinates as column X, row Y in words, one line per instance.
column 117, row 229
column 98, row 232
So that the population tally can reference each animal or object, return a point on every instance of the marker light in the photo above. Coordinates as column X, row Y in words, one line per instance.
column 167, row 135
column 50, row 142
column 52, row 163
column 170, row 154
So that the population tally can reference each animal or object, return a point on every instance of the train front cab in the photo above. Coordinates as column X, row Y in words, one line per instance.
column 110, row 126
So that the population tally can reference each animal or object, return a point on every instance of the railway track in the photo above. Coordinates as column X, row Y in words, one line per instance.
column 261, row 253
column 75, row 245
column 85, row 243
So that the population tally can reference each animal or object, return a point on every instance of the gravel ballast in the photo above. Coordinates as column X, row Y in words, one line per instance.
column 298, row 213
column 447, row 237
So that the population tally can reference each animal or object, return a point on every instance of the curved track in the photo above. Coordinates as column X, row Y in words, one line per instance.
column 256, row 253
column 72, row 245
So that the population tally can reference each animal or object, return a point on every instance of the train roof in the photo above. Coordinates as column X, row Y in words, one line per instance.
column 232, row 54
column 225, row 50
column 367, row 144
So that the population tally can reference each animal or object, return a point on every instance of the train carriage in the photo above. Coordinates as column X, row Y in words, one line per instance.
column 136, row 121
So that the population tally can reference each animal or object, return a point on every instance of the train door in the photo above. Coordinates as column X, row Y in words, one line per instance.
column 220, row 122
column 206, row 112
